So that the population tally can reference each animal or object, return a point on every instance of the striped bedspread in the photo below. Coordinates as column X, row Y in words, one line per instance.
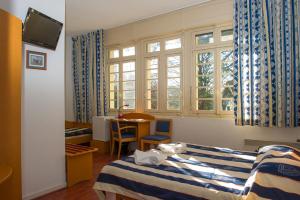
column 200, row 173
column 71, row 132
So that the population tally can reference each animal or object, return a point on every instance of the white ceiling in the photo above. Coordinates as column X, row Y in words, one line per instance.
column 86, row 15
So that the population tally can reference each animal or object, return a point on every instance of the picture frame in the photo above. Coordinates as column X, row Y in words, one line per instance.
column 36, row 60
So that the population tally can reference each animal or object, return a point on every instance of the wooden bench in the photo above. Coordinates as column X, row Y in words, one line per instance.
column 79, row 161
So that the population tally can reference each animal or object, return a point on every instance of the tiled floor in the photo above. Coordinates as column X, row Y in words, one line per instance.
column 83, row 190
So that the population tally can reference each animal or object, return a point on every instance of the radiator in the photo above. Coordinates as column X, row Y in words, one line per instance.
column 101, row 128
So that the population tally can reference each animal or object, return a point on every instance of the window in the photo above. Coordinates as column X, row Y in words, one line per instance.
column 122, row 78
column 227, row 35
column 206, row 38
column 163, row 76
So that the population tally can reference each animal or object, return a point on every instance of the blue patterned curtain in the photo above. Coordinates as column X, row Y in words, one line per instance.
column 89, row 76
column 267, row 63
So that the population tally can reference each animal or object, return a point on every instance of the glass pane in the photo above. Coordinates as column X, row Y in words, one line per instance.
column 174, row 94
column 130, row 85
column 153, row 47
column 173, row 44
column 227, row 56
column 113, row 95
column 227, row 68
column 152, row 63
column 206, row 38
column 129, row 51
column 173, row 61
column 114, row 86
column 205, row 93
column 227, row 35
column 130, row 103
column 205, row 58
column 227, row 92
column 174, row 83
column 227, row 105
column 173, row 105
column 151, row 94
column 206, row 69
column 174, row 72
column 227, row 79
column 114, row 77
column 128, row 66
column 129, row 76
column 205, row 105
column 152, row 74
column 151, row 104
column 128, row 94
column 205, row 81
column 114, row 53
column 114, row 68
column 113, row 104
column 152, row 84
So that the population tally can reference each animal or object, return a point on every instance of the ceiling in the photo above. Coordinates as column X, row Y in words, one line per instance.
column 82, row 16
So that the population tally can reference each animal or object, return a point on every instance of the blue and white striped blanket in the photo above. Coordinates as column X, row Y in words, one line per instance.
column 200, row 173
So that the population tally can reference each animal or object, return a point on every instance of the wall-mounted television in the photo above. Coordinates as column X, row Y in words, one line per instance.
column 41, row 30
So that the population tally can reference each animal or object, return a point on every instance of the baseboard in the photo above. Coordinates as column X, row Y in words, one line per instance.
column 44, row 192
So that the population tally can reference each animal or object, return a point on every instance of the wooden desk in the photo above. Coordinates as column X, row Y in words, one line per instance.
column 79, row 163
column 143, row 127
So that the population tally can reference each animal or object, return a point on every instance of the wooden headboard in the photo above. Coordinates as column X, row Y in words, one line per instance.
column 69, row 124
column 138, row 116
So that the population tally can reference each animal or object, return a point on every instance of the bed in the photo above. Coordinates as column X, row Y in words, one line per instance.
column 204, row 172
column 78, row 135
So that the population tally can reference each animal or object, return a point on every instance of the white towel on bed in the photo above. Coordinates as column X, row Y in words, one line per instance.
column 151, row 157
column 172, row 148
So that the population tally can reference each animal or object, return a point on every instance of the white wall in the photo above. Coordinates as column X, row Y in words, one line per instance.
column 207, row 131
column 43, row 154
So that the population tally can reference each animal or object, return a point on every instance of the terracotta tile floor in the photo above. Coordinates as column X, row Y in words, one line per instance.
column 83, row 190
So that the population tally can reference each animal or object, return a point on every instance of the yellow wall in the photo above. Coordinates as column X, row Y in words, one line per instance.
column 10, row 102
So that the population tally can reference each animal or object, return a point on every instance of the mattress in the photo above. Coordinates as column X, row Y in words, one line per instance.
column 72, row 132
column 202, row 172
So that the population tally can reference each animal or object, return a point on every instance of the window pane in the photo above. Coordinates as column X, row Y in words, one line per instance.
column 128, row 66
column 205, row 104
column 130, row 103
column 173, row 44
column 152, row 84
column 206, row 69
column 114, row 53
column 173, row 61
column 227, row 105
column 227, row 35
column 174, row 72
column 129, row 76
column 227, row 92
column 227, row 79
column 153, row 47
column 207, row 81
column 174, row 83
column 129, row 85
column 205, row 58
column 173, row 105
column 205, row 93
column 113, row 104
column 174, row 94
column 114, row 77
column 152, row 63
column 114, row 86
column 130, row 51
column 227, row 56
column 151, row 104
column 152, row 74
column 206, row 38
column 151, row 94
column 129, row 95
column 114, row 68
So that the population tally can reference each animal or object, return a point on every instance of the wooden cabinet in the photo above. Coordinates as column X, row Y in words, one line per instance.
column 10, row 104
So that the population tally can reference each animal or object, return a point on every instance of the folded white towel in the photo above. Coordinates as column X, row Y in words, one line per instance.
column 172, row 148
column 151, row 157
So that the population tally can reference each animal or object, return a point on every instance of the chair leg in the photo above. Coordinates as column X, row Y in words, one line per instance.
column 119, row 150
column 112, row 147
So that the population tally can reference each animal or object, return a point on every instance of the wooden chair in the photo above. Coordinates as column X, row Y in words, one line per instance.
column 121, row 135
column 163, row 134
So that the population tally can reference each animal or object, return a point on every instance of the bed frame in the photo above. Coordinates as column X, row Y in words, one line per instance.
column 78, row 139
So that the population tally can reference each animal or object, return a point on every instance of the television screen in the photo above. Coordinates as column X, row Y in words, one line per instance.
column 41, row 30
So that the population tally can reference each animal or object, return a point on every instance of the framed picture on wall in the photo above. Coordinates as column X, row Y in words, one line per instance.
column 36, row 60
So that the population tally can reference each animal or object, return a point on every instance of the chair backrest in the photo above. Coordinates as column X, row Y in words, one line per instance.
column 138, row 116
column 115, row 128
column 163, row 127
